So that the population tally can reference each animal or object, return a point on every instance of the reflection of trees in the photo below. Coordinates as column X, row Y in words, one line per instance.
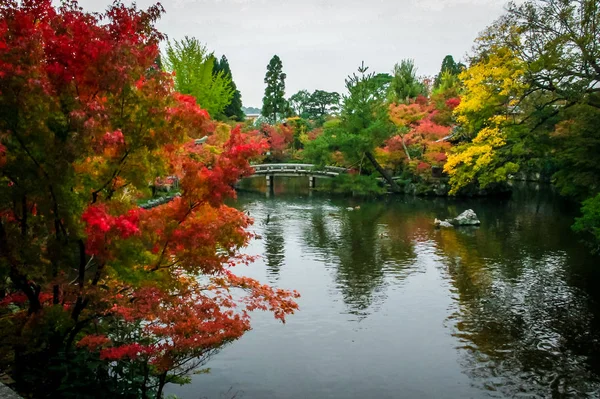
column 274, row 247
column 524, row 320
column 360, row 248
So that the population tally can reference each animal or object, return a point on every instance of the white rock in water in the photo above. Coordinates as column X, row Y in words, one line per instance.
column 349, row 209
column 467, row 218
column 442, row 223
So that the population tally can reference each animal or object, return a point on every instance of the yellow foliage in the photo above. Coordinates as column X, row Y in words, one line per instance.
column 496, row 81
column 490, row 88
column 477, row 161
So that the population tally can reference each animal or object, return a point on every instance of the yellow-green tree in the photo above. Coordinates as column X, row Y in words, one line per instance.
column 487, row 116
column 193, row 66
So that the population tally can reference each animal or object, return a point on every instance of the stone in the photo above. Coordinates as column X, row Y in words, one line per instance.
column 7, row 393
column 467, row 218
column 442, row 223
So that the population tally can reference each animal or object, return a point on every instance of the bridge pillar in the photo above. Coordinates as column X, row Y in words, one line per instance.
column 311, row 181
column 269, row 179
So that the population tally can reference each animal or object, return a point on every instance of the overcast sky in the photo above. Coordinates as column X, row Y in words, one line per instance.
column 322, row 41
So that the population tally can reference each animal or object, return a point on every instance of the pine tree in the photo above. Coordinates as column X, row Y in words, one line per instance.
column 233, row 110
column 448, row 66
column 405, row 85
column 275, row 106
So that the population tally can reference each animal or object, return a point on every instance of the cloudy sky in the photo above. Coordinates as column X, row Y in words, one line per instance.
column 322, row 41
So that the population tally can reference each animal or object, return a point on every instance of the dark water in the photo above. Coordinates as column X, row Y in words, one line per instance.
column 393, row 308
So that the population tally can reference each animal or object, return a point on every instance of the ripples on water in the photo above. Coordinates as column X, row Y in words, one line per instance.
column 392, row 307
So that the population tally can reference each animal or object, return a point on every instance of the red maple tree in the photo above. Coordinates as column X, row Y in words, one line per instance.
column 87, row 123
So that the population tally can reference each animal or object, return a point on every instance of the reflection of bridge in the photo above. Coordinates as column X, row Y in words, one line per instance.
column 296, row 169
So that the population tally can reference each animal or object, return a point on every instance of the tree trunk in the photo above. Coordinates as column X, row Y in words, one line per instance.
column 162, row 380
column 405, row 149
column 383, row 173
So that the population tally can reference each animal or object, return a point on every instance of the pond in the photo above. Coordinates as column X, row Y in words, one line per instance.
column 393, row 308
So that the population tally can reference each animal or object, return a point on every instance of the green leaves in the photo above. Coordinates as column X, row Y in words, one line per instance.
column 589, row 222
column 193, row 67
column 275, row 106
column 405, row 85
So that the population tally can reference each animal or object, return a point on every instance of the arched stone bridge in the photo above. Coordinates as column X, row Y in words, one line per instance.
column 296, row 169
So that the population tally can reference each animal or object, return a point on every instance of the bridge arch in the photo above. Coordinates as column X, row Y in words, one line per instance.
column 271, row 170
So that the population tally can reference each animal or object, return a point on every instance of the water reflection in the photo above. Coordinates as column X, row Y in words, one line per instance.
column 358, row 244
column 274, row 247
column 508, row 309
column 524, row 328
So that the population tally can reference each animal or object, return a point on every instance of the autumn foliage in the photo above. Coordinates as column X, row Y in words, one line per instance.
column 87, row 124
column 421, row 140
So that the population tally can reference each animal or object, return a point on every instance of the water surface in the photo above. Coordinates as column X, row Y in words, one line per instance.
column 393, row 308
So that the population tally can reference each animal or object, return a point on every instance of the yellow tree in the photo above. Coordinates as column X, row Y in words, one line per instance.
column 487, row 116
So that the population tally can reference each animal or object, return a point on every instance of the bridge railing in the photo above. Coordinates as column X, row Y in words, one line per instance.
column 297, row 168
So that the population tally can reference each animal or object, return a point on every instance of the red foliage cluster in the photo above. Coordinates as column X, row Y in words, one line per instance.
column 423, row 167
column 101, row 123
column 2, row 154
column 430, row 130
column 423, row 124
column 102, row 227
column 279, row 138
column 19, row 298
column 453, row 102
column 93, row 342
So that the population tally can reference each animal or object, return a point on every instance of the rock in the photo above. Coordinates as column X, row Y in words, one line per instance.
column 442, row 223
column 349, row 208
column 467, row 218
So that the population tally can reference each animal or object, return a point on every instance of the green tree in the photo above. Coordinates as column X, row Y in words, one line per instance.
column 299, row 103
column 322, row 103
column 193, row 66
column 589, row 222
column 558, row 39
column 557, row 42
column 363, row 126
column 576, row 145
column 275, row 106
column 233, row 110
column 405, row 85
column 449, row 66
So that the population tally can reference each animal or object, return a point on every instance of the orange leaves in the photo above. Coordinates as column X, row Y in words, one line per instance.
column 200, row 238
column 264, row 297
column 191, row 322
column 405, row 115
column 97, row 123
column 209, row 177
column 430, row 130
column 279, row 138
column 420, row 134
column 93, row 342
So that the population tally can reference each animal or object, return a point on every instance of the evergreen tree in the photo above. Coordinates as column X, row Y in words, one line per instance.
column 233, row 110
column 448, row 66
column 405, row 85
column 363, row 126
column 275, row 106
